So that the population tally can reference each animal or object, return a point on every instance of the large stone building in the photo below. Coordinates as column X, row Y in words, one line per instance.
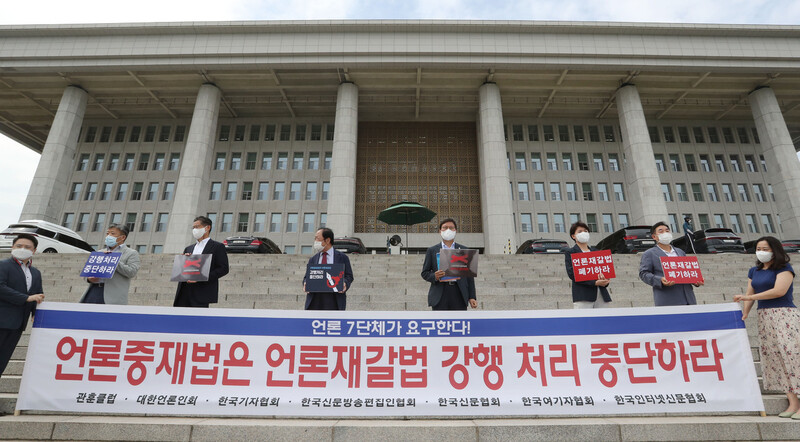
column 516, row 129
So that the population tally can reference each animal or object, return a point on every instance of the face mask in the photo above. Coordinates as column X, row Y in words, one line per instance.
column 198, row 233
column 448, row 235
column 582, row 237
column 111, row 241
column 764, row 257
column 317, row 246
column 665, row 238
column 21, row 254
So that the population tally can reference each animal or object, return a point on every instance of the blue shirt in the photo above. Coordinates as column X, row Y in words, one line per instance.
column 764, row 279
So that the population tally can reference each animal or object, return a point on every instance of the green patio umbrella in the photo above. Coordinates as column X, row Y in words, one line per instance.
column 406, row 213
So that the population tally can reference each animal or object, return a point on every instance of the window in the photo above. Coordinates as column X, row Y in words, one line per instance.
column 313, row 161
column 541, row 222
column 533, row 133
column 266, row 161
column 286, row 132
column 130, row 221
column 158, row 163
column 250, row 164
column 623, row 220
column 83, row 162
column 169, row 190
column 283, row 161
column 683, row 135
column 98, row 161
column 278, row 189
column 735, row 165
column 152, row 191
column 681, row 192
column 594, row 134
column 105, row 193
column 291, row 222
column 91, row 192
column 99, row 222
column 174, row 161
column 259, row 224
column 68, row 220
column 300, row 132
column 163, row 221
column 263, row 190
column 289, row 250
column 566, row 161
column 755, row 136
column 180, row 133
column 719, row 221
column 519, row 160
column 216, row 188
column 763, row 163
column 711, row 189
column 275, row 223
column 323, row 219
column 750, row 163
column 665, row 190
column 247, row 191
column 690, row 164
column 294, row 190
column 608, row 223
column 597, row 159
column 758, row 191
column 578, row 131
column 122, row 191
column 547, row 132
column 727, row 134
column 330, row 130
column 583, row 161
column 698, row 135
column 587, row 191
column 613, row 162
column 141, row 249
column 147, row 222
column 120, row 136
column 135, row 133
column 563, row 133
column 163, row 136
column 149, row 134
column 558, row 223
column 608, row 133
column 591, row 221
column 297, row 161
column 752, row 225
column 552, row 163
column 704, row 223
column 269, row 132
column 572, row 192
column 704, row 163
column 116, row 218
column 726, row 190
column 713, row 135
column 113, row 161
column 538, row 191
column 669, row 134
column 660, row 162
column 325, row 188
column 743, row 137
column 743, row 193
column 675, row 162
column 230, row 190
column 766, row 220
column 736, row 226
column 602, row 192
column 311, row 190
column 236, row 161
column 328, row 160
column 238, row 133
column 516, row 133
column 654, row 136
column 673, row 222
column 227, row 220
column 219, row 163
column 308, row 223
column 144, row 161
column 76, row 191
column 536, row 161
column 522, row 191
column 555, row 191
column 83, row 220
column 244, row 222
column 136, row 195
column 316, row 132
column 224, row 133
column 255, row 132
column 619, row 192
column 91, row 133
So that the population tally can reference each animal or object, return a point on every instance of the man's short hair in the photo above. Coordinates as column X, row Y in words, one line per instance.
column 448, row 220
column 122, row 229
column 657, row 225
column 204, row 220
column 30, row 238
column 575, row 226
column 327, row 233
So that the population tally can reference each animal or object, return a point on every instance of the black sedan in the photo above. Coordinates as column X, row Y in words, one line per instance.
column 250, row 244
column 630, row 239
column 717, row 240
column 543, row 246
column 349, row 245
column 789, row 246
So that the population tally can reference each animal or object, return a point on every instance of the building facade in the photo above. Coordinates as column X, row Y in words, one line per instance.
column 516, row 129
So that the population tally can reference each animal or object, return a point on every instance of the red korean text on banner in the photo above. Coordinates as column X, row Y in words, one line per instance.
column 589, row 266
column 681, row 269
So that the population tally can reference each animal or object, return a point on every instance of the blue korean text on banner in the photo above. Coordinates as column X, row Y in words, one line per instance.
column 100, row 265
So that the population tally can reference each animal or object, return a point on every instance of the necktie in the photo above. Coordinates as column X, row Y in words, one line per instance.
column 324, row 258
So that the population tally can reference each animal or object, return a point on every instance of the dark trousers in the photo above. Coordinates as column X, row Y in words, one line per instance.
column 8, row 342
column 323, row 301
column 94, row 295
column 451, row 299
column 184, row 300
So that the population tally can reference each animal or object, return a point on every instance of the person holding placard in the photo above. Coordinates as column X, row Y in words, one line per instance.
column 665, row 292
column 203, row 293
column 114, row 290
column 326, row 254
column 585, row 293
column 770, row 283
column 447, row 293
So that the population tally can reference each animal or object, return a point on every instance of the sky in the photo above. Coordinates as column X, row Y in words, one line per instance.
column 19, row 171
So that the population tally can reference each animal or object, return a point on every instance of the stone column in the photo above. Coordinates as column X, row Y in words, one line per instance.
column 643, row 184
column 190, row 191
column 342, row 195
column 498, row 214
column 50, row 183
column 782, row 164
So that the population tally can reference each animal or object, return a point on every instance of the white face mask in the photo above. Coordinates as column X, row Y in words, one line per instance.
column 763, row 256
column 448, row 235
column 582, row 237
column 665, row 238
column 21, row 254
column 198, row 233
column 317, row 246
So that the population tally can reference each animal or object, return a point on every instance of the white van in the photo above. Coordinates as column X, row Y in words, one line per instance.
column 52, row 237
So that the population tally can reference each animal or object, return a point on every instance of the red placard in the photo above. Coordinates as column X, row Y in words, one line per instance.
column 681, row 269
column 588, row 266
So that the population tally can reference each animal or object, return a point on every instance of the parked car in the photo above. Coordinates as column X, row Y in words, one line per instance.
column 543, row 246
column 631, row 239
column 52, row 237
column 349, row 245
column 789, row 246
column 715, row 240
column 250, row 244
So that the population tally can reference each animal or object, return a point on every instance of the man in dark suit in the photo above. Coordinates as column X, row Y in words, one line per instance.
column 202, row 293
column 326, row 254
column 447, row 293
column 665, row 292
column 20, row 292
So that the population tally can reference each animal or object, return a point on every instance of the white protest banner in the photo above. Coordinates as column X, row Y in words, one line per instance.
column 159, row 360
